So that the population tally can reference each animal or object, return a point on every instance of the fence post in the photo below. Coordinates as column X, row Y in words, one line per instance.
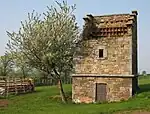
column 7, row 84
column 5, row 94
column 15, row 84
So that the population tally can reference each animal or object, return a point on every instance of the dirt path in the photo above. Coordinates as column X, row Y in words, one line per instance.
column 3, row 102
column 134, row 112
column 140, row 112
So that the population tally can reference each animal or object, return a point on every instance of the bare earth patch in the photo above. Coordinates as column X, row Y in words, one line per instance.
column 134, row 112
column 3, row 103
column 140, row 112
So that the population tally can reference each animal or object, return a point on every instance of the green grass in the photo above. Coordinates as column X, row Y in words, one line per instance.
column 40, row 102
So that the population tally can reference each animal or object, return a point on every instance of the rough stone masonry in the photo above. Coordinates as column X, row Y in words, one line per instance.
column 106, row 59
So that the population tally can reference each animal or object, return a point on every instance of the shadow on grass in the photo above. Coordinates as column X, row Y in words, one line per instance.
column 144, row 88
column 20, row 94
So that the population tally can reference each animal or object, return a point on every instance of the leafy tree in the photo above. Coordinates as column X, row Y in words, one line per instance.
column 6, row 65
column 48, row 44
column 144, row 73
column 20, row 64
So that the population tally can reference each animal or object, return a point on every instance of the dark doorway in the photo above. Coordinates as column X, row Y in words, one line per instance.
column 101, row 92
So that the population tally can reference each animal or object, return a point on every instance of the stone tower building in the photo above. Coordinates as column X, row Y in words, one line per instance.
column 106, row 59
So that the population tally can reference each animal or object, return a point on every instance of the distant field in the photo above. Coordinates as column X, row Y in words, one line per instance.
column 41, row 102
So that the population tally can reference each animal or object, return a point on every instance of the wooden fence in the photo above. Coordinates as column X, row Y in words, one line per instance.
column 12, row 85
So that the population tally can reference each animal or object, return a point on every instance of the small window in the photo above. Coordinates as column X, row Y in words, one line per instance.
column 101, row 53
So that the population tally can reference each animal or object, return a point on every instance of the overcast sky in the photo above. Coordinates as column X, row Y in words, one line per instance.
column 13, row 11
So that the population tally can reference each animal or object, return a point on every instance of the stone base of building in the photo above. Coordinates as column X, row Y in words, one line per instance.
column 89, row 89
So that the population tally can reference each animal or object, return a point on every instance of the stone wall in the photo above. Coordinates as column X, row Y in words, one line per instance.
column 134, row 48
column 114, row 34
column 116, row 61
column 134, row 54
column 117, row 88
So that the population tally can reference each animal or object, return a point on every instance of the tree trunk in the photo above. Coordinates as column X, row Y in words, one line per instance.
column 23, row 72
column 62, row 93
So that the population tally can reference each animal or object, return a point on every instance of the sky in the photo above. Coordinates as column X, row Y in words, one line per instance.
column 14, row 11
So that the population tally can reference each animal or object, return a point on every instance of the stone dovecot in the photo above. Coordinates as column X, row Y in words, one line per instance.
column 106, row 59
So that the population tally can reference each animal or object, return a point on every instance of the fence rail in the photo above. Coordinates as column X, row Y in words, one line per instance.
column 11, row 85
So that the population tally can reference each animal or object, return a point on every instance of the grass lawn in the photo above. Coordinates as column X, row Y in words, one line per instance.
column 40, row 102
